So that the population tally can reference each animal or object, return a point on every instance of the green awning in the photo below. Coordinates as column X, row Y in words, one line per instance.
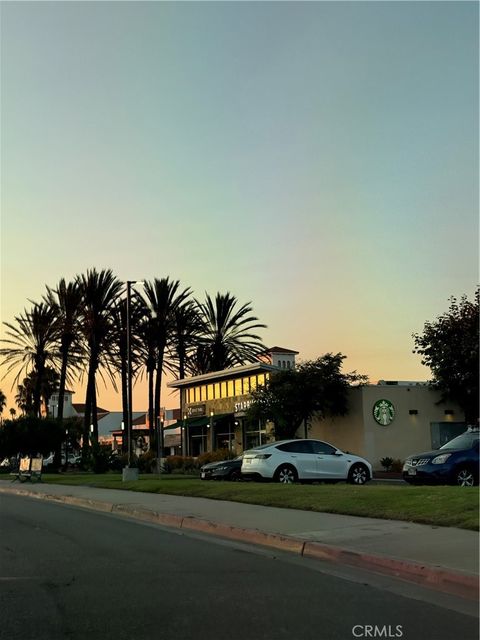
column 201, row 421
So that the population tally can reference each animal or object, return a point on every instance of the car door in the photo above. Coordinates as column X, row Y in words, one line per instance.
column 300, row 454
column 330, row 465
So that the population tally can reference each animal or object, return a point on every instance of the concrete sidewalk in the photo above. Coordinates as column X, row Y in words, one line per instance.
column 443, row 558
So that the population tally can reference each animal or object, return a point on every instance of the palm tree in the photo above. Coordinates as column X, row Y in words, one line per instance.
column 120, row 351
column 13, row 413
column 3, row 404
column 228, row 339
column 31, row 346
column 163, row 298
column 65, row 300
column 100, row 290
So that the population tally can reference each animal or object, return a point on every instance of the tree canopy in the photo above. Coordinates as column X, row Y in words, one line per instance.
column 293, row 396
column 449, row 347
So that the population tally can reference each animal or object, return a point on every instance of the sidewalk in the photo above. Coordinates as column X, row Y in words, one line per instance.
column 442, row 558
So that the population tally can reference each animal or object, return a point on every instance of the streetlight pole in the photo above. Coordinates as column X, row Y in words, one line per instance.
column 129, row 374
column 66, row 450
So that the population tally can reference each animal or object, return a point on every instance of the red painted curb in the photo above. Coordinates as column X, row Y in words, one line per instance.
column 453, row 582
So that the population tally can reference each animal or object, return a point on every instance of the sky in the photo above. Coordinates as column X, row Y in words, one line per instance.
column 317, row 159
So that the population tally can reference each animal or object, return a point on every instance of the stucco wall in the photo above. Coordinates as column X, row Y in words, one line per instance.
column 360, row 433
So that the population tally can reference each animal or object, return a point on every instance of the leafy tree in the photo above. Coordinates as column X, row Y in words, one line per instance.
column 228, row 337
column 26, row 390
column 31, row 346
column 30, row 435
column 293, row 396
column 449, row 347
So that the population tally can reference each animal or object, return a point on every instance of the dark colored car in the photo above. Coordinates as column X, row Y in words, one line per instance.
column 454, row 463
column 223, row 470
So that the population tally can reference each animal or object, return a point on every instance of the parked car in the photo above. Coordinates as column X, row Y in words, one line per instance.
column 223, row 470
column 289, row 461
column 73, row 459
column 454, row 463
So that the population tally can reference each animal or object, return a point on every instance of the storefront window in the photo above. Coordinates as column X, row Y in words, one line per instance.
column 223, row 390
column 246, row 386
column 203, row 392
column 217, row 390
column 253, row 383
column 210, row 395
column 230, row 389
column 261, row 379
column 238, row 387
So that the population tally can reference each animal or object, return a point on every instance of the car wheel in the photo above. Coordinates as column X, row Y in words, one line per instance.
column 465, row 477
column 358, row 474
column 286, row 474
column 235, row 476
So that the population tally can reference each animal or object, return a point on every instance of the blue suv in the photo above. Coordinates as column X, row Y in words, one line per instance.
column 454, row 463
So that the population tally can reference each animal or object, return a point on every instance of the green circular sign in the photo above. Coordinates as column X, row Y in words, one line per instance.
column 383, row 412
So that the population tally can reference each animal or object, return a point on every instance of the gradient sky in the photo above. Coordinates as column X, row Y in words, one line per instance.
column 318, row 159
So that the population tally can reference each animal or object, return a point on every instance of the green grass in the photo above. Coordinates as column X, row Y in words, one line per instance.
column 439, row 506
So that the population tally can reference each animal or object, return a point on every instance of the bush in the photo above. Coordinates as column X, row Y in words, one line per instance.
column 215, row 456
column 117, row 461
column 397, row 465
column 386, row 463
column 100, row 457
column 180, row 464
column 147, row 462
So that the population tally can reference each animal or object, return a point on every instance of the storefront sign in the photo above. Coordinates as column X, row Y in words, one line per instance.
column 197, row 410
column 383, row 412
column 242, row 406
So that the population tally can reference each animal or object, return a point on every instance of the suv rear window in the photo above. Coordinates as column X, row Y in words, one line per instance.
column 298, row 446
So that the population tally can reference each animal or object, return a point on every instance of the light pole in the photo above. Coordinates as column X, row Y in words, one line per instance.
column 183, row 436
column 66, row 449
column 211, row 430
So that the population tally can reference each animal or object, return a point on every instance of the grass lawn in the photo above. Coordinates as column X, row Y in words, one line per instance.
column 440, row 506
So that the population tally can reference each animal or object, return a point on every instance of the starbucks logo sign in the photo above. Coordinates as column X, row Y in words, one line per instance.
column 383, row 412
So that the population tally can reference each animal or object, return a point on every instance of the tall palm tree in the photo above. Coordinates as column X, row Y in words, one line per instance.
column 228, row 334
column 65, row 300
column 163, row 298
column 31, row 346
column 3, row 403
column 100, row 290
column 120, row 349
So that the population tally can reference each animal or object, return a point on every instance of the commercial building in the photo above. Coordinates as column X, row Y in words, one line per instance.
column 214, row 404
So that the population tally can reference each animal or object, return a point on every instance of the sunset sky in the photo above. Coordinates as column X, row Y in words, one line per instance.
column 318, row 159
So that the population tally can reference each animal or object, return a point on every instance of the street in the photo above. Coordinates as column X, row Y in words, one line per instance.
column 69, row 573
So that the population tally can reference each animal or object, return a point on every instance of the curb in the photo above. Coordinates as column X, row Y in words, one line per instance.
column 437, row 578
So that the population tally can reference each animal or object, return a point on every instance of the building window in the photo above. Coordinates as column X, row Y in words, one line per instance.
column 210, row 395
column 246, row 386
column 238, row 387
column 223, row 390
column 196, row 394
column 216, row 390
column 203, row 392
column 253, row 383
column 288, row 364
column 230, row 389
column 261, row 380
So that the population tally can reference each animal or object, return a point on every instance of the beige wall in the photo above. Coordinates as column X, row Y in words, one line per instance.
column 360, row 433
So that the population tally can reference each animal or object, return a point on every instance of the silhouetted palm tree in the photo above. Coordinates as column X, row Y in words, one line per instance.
column 65, row 300
column 100, row 290
column 163, row 298
column 3, row 403
column 228, row 338
column 31, row 346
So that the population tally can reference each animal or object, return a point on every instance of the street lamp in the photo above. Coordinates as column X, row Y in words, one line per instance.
column 66, row 449
column 211, row 429
column 160, row 422
column 129, row 370
column 183, row 436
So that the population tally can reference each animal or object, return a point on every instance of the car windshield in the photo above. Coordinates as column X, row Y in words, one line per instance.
column 465, row 441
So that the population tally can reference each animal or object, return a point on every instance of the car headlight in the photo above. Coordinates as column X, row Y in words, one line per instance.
column 441, row 459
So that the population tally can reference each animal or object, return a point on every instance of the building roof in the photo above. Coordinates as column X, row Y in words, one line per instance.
column 280, row 350
column 80, row 408
column 233, row 372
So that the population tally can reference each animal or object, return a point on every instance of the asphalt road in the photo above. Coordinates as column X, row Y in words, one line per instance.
column 70, row 573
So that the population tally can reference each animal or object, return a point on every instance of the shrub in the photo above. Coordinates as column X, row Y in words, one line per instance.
column 215, row 456
column 180, row 464
column 146, row 462
column 397, row 465
column 386, row 463
column 100, row 457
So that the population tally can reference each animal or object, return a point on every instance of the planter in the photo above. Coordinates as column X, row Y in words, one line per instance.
column 129, row 474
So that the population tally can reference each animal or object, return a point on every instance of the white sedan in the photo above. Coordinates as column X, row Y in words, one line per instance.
column 289, row 461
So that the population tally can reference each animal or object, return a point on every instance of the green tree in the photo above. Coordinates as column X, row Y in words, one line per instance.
column 31, row 346
column 293, row 396
column 30, row 435
column 449, row 347
column 228, row 337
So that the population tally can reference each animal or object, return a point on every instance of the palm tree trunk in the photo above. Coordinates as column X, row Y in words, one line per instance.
column 88, row 407
column 63, row 378
column 151, row 414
